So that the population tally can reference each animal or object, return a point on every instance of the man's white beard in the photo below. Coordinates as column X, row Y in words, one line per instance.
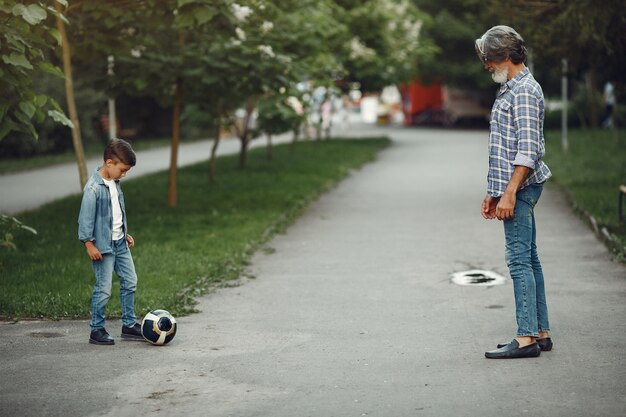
column 500, row 76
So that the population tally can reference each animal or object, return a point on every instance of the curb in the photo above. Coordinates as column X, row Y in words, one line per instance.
column 602, row 233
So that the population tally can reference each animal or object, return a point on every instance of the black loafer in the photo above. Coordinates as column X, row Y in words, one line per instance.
column 513, row 351
column 545, row 344
column 132, row 333
column 100, row 337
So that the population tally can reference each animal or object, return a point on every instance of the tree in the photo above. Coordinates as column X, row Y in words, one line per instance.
column 590, row 36
column 384, row 45
column 26, row 38
column 71, row 102
column 451, row 31
column 276, row 116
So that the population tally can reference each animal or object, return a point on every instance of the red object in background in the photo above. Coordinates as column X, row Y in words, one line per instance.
column 419, row 99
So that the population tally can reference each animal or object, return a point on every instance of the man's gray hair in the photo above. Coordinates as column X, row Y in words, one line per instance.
column 499, row 43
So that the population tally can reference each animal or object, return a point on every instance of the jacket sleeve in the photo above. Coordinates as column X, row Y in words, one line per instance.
column 87, row 216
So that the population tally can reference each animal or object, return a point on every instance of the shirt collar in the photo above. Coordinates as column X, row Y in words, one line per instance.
column 511, row 83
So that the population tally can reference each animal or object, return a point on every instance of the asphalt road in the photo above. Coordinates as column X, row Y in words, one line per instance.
column 352, row 313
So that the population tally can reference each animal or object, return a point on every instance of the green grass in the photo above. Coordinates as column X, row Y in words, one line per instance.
column 591, row 173
column 91, row 148
column 181, row 252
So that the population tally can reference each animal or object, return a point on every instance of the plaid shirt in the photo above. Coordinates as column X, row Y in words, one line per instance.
column 516, row 133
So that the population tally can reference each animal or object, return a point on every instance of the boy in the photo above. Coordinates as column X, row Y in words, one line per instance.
column 102, row 228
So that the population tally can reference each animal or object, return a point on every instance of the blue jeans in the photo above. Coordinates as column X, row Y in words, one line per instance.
column 121, row 262
column 531, row 310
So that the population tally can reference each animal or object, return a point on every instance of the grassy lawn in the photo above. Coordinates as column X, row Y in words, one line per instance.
column 591, row 173
column 180, row 252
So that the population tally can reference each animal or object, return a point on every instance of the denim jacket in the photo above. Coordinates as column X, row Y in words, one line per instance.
column 95, row 221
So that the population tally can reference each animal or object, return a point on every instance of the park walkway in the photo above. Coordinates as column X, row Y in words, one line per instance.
column 352, row 313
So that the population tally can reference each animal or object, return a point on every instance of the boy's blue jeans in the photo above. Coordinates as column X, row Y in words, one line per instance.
column 531, row 310
column 121, row 262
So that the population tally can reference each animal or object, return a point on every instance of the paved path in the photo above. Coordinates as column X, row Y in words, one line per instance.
column 354, row 315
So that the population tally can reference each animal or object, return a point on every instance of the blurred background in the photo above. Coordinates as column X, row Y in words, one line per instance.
column 147, row 69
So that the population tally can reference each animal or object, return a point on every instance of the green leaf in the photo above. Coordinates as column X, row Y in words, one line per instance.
column 6, row 126
column 56, row 35
column 33, row 13
column 28, row 108
column 184, row 20
column 63, row 2
column 60, row 117
column 17, row 60
column 182, row 3
column 22, row 117
column 32, row 131
column 40, row 116
column 56, row 13
column 204, row 15
column 55, row 105
column 51, row 69
column 40, row 100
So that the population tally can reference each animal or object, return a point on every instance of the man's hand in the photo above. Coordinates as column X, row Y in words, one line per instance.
column 130, row 240
column 488, row 207
column 506, row 206
column 93, row 252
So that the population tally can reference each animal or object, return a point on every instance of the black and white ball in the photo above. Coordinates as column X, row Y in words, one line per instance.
column 158, row 327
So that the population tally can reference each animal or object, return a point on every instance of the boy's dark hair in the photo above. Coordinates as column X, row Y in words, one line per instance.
column 120, row 150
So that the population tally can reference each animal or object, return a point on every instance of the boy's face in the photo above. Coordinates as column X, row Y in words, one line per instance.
column 114, row 170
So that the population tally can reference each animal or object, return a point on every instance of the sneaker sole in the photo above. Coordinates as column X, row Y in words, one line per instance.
column 131, row 337
column 95, row 342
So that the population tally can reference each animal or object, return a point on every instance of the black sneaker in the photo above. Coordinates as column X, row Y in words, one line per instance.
column 100, row 337
column 133, row 333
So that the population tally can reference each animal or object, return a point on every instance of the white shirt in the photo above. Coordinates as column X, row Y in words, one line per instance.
column 118, row 220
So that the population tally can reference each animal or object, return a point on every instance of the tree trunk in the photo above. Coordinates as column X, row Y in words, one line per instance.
column 243, row 151
column 593, row 92
column 178, row 103
column 244, row 137
column 71, row 102
column 268, row 152
column 171, row 185
column 296, row 136
column 216, row 141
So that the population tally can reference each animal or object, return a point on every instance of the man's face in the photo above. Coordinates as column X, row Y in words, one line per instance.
column 499, row 71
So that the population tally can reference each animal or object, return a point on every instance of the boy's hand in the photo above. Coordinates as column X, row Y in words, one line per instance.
column 130, row 240
column 93, row 252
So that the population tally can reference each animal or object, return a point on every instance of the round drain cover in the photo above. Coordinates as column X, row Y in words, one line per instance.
column 477, row 277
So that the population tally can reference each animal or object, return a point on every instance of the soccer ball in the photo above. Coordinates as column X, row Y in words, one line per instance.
column 158, row 327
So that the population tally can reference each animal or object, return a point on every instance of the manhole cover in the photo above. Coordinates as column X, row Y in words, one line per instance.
column 46, row 335
column 477, row 277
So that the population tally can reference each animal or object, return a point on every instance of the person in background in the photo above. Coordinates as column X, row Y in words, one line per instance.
column 609, row 104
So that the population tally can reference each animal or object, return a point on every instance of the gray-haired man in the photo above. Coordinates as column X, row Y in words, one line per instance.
column 514, row 183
